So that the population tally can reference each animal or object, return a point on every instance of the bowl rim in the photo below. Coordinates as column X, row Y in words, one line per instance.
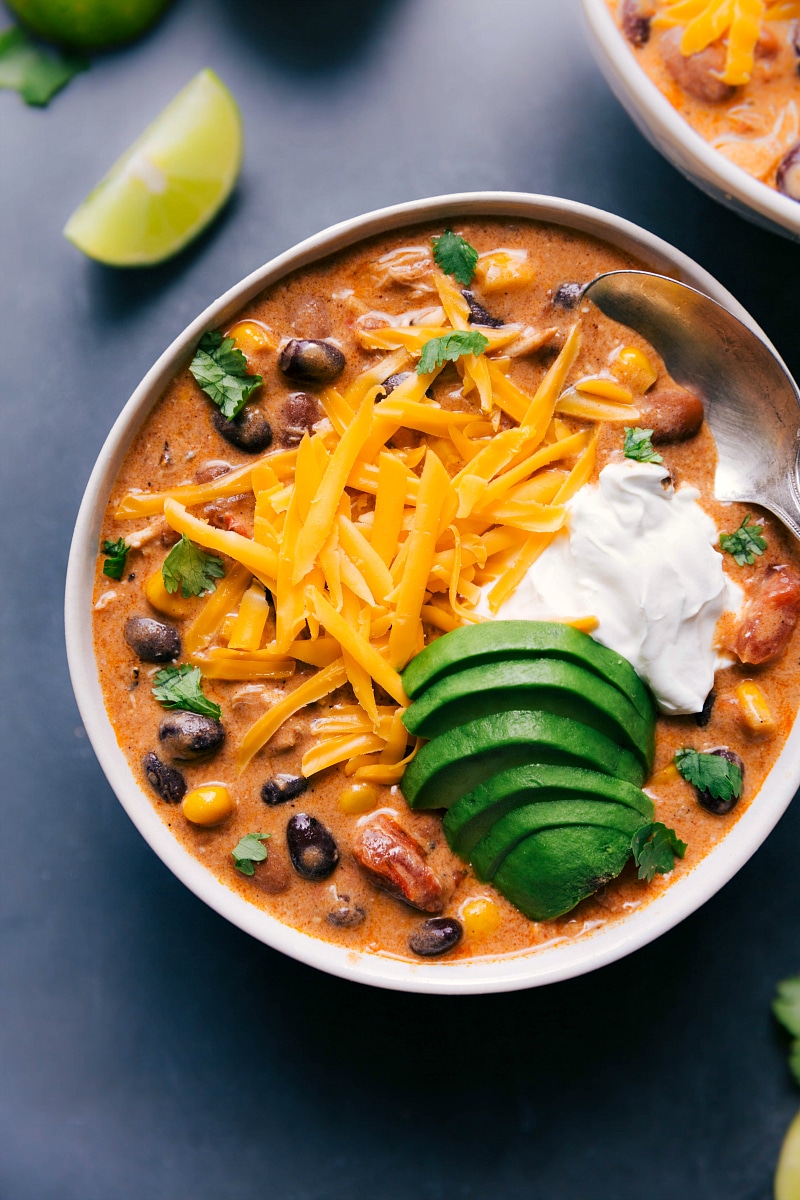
column 651, row 107
column 550, row 962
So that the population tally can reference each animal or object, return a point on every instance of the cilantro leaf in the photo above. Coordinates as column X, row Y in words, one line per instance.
column 181, row 687
column 655, row 848
column 249, row 850
column 450, row 347
column 117, row 552
column 744, row 543
column 190, row 568
column 35, row 73
column 221, row 372
column 786, row 1007
column 710, row 773
column 639, row 446
column 455, row 256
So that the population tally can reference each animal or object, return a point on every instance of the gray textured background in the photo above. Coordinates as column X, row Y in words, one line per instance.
column 149, row 1050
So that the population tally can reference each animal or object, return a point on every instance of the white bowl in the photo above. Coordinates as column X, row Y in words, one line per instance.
column 551, row 962
column 655, row 117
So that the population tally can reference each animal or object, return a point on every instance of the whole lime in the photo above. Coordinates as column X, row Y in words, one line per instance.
column 88, row 24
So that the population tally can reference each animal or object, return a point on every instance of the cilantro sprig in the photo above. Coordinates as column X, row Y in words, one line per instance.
column 710, row 773
column 37, row 74
column 116, row 554
column 182, row 687
column 249, row 850
column 454, row 255
column 639, row 445
column 221, row 371
column 189, row 568
column 449, row 348
column 655, row 848
column 745, row 543
column 786, row 1007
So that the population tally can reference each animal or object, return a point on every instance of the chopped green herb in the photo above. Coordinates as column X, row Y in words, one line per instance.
column 450, row 347
column 191, row 569
column 655, row 848
column 116, row 552
column 249, row 850
column 786, row 1007
column 710, row 773
column 639, row 446
column 744, row 543
column 455, row 256
column 221, row 372
column 182, row 687
column 35, row 73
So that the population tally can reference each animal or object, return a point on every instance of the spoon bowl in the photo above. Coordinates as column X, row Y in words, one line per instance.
column 752, row 404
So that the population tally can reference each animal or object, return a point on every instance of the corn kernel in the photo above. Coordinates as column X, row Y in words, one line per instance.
column 251, row 336
column 358, row 798
column 502, row 269
column 755, row 710
column 171, row 604
column 480, row 916
column 207, row 805
column 664, row 777
column 632, row 366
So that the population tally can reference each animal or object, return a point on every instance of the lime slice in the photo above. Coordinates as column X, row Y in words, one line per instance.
column 787, row 1177
column 169, row 184
column 88, row 24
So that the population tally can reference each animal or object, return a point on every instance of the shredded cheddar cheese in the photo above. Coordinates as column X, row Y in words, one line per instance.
column 739, row 22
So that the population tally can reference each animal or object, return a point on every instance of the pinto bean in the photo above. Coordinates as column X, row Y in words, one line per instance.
column 283, row 788
column 250, row 431
column 151, row 640
column 769, row 617
column 635, row 17
column 392, row 382
column 567, row 295
column 300, row 412
column 394, row 862
column 311, row 360
column 188, row 737
column 436, row 936
column 698, row 74
column 166, row 781
column 787, row 180
column 478, row 315
column 345, row 914
column 673, row 414
column 273, row 876
column 312, row 848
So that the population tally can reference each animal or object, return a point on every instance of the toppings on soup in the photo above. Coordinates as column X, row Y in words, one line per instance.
column 415, row 613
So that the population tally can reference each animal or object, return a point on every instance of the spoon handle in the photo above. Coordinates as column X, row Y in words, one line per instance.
column 752, row 403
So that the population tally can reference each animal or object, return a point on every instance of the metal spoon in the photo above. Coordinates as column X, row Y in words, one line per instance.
column 752, row 403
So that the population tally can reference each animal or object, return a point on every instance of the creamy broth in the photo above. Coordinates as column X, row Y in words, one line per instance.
column 332, row 300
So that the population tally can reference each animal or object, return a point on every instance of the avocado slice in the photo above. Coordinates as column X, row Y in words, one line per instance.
column 515, row 826
column 549, row 685
column 458, row 761
column 550, row 872
column 473, row 815
column 498, row 641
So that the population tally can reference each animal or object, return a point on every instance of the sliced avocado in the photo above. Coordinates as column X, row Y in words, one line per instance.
column 499, row 641
column 547, row 685
column 511, row 829
column 473, row 815
column 458, row 761
column 548, row 873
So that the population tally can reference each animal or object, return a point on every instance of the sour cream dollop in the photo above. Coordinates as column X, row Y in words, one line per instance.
column 639, row 555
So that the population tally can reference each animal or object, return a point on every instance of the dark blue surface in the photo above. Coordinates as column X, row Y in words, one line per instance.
column 150, row 1050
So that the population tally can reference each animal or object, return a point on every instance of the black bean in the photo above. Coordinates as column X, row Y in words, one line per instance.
column 152, row 641
column 311, row 360
column 635, row 22
column 436, row 936
column 283, row 788
column 300, row 413
column 788, row 178
column 478, row 315
column 393, row 381
column 713, row 803
column 166, row 781
column 312, row 848
column 345, row 914
column 568, row 295
column 250, row 431
column 704, row 716
column 188, row 736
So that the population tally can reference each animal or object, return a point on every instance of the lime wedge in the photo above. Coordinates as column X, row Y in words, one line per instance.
column 170, row 183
